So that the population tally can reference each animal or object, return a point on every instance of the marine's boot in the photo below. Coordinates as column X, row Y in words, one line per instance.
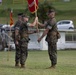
column 16, row 64
column 51, row 67
column 22, row 66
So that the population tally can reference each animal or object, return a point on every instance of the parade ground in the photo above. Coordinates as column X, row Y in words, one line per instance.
column 37, row 62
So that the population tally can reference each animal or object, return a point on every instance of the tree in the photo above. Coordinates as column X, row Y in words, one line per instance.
column 42, row 10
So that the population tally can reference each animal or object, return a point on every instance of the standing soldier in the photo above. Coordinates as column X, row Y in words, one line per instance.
column 17, row 38
column 24, row 39
column 51, row 32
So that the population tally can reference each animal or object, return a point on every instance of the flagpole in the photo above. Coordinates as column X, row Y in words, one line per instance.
column 36, row 16
column 8, row 42
column 35, row 8
column 9, row 34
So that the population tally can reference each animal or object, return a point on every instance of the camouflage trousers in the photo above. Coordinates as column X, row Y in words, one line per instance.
column 21, row 53
column 52, row 51
column 17, row 54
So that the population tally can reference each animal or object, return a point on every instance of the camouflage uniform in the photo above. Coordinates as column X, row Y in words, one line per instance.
column 52, row 40
column 24, row 39
column 17, row 38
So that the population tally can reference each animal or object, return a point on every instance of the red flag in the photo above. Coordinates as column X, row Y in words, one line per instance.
column 33, row 5
column 11, row 18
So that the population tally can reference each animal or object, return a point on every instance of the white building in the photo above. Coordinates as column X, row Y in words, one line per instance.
column 67, row 40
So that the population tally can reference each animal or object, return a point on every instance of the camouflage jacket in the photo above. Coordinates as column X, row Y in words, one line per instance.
column 24, row 32
column 52, row 34
column 15, row 34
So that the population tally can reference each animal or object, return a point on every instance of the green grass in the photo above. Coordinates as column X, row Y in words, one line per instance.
column 37, row 63
column 65, row 5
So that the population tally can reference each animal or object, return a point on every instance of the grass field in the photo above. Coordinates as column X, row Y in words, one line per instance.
column 37, row 63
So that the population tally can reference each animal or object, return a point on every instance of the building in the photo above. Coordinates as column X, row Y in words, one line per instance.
column 67, row 41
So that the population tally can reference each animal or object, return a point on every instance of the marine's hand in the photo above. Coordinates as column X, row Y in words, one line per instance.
column 39, row 40
column 36, row 31
column 36, row 18
column 35, row 21
column 17, row 42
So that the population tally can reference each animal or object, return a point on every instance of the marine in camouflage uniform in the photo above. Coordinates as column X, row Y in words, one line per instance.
column 24, row 39
column 17, row 39
column 52, row 41
column 51, row 38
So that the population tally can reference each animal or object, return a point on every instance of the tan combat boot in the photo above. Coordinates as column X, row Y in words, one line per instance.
column 16, row 64
column 22, row 66
column 51, row 67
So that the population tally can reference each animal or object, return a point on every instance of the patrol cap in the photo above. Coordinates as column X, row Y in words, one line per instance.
column 50, row 11
column 25, row 16
column 20, row 14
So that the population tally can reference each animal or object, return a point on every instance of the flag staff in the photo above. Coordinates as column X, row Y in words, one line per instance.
column 36, row 15
column 35, row 8
column 7, row 11
column 11, row 23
